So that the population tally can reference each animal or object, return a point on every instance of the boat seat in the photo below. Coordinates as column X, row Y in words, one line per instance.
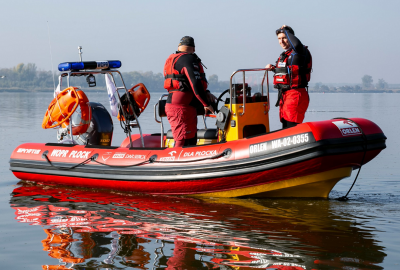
column 169, row 134
column 204, row 136
column 161, row 108
column 208, row 134
column 162, row 113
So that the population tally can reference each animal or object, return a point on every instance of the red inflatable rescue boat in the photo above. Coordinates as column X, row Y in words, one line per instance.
column 239, row 158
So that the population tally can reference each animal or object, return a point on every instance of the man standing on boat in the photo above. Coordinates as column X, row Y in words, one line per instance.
column 292, row 74
column 186, row 83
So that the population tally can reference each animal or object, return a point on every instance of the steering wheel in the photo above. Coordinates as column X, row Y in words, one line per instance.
column 220, row 99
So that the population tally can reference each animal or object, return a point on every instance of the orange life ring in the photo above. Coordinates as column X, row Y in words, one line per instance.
column 81, row 117
column 63, row 106
column 141, row 96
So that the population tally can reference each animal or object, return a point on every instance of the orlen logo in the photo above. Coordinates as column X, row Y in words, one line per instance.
column 106, row 156
column 119, row 155
column 171, row 158
column 347, row 127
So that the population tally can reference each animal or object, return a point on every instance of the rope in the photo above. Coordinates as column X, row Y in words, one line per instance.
column 92, row 158
column 125, row 128
column 59, row 107
column 49, row 114
column 150, row 160
column 364, row 146
column 122, row 166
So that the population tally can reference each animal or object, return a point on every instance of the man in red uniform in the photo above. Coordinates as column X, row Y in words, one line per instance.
column 186, row 83
column 292, row 74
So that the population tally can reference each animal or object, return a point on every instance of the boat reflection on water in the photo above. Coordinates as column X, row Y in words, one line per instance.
column 91, row 229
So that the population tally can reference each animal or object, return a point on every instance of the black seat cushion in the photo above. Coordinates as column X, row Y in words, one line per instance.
column 163, row 102
column 210, row 133
column 161, row 108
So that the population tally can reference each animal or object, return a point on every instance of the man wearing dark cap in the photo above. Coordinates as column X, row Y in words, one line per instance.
column 292, row 74
column 186, row 83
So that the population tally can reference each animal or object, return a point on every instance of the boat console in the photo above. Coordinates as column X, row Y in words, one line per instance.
column 242, row 115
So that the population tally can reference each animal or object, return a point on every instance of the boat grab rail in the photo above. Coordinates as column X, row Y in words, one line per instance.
column 152, row 159
column 160, row 121
column 244, row 86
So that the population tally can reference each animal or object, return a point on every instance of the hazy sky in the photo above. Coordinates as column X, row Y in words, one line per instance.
column 347, row 39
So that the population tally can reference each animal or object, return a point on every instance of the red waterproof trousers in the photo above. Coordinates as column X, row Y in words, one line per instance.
column 293, row 105
column 183, row 121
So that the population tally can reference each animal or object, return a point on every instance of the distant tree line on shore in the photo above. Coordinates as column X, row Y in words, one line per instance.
column 365, row 86
column 27, row 77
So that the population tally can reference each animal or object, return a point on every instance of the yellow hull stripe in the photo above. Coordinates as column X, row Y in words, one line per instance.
column 314, row 185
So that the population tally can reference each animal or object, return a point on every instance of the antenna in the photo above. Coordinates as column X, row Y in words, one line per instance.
column 51, row 56
column 80, row 52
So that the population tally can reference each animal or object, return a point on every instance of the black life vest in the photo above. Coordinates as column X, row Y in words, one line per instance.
column 289, row 76
column 173, row 78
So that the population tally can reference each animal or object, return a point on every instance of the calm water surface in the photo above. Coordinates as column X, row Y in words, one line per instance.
column 53, row 227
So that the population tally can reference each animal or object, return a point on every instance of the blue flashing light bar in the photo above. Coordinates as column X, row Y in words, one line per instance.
column 89, row 65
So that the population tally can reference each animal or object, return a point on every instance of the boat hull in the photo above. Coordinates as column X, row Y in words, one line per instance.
column 304, row 161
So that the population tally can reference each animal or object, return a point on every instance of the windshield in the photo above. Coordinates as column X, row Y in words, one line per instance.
column 254, row 79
